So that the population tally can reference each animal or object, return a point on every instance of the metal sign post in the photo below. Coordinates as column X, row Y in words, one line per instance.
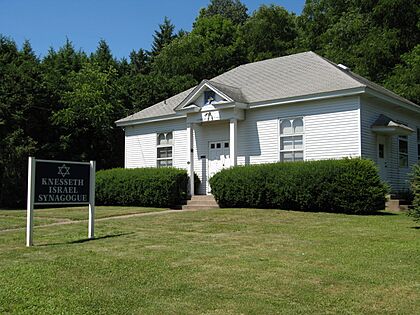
column 60, row 183
column 30, row 202
column 91, row 229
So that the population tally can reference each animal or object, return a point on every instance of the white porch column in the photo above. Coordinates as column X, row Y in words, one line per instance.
column 190, row 157
column 233, row 128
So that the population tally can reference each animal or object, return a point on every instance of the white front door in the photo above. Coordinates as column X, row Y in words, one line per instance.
column 218, row 159
column 382, row 151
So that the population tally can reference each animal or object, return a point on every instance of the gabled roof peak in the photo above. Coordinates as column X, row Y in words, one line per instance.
column 227, row 92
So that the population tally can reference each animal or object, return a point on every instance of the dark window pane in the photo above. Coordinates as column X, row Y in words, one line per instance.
column 165, row 152
column 418, row 151
column 381, row 151
column 212, row 146
column 403, row 160
column 218, row 145
column 164, row 163
column 403, row 146
column 226, row 144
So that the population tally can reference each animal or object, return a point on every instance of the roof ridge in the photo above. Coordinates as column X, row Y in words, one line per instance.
column 273, row 58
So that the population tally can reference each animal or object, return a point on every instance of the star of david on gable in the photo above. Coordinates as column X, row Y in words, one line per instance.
column 63, row 170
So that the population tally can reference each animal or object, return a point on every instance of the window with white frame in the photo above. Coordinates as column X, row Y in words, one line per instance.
column 291, row 139
column 164, row 149
column 403, row 151
column 418, row 144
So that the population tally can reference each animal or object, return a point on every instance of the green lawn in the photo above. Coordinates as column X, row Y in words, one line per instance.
column 17, row 218
column 237, row 261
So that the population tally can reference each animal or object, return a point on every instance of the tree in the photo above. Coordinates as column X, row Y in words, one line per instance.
column 139, row 62
column 146, row 90
column 269, row 32
column 56, row 67
column 368, row 36
column 163, row 36
column 210, row 49
column 233, row 10
column 405, row 78
column 103, row 56
column 87, row 118
column 21, row 117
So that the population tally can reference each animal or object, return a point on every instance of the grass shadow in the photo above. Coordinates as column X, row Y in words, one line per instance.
column 415, row 227
column 378, row 213
column 364, row 214
column 84, row 240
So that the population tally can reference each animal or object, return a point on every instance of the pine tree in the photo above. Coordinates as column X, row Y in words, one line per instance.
column 163, row 36
column 103, row 56
column 139, row 62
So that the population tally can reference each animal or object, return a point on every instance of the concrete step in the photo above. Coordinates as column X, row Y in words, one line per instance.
column 201, row 202
column 187, row 207
column 202, row 197
column 396, row 205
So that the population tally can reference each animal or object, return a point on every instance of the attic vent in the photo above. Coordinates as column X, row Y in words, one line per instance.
column 345, row 68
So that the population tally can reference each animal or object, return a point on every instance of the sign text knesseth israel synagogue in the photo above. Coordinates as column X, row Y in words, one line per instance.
column 61, row 183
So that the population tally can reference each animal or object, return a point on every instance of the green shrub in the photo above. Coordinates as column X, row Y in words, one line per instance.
column 415, row 188
column 347, row 186
column 149, row 187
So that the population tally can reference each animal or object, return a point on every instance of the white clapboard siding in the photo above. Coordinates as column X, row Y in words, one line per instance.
column 141, row 141
column 331, row 130
column 370, row 111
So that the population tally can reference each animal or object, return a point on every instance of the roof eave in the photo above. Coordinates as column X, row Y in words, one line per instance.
column 310, row 97
column 392, row 130
column 140, row 121
column 405, row 104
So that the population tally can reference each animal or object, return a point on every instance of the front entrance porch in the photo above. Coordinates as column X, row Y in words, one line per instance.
column 207, row 105
column 211, row 147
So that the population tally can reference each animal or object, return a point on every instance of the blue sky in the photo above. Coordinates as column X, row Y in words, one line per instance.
column 124, row 24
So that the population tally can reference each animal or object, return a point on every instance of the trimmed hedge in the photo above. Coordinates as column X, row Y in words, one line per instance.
column 415, row 188
column 345, row 186
column 148, row 187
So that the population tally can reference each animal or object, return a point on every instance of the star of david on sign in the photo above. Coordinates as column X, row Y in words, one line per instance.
column 63, row 170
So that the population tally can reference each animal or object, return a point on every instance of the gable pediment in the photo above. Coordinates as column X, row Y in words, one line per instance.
column 208, row 94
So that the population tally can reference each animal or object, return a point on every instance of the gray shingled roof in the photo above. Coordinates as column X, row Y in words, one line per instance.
column 274, row 79
column 233, row 92
column 163, row 108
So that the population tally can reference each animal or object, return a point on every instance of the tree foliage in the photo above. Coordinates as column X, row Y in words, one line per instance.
column 405, row 77
column 211, row 48
column 233, row 10
column 162, row 37
column 269, row 32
